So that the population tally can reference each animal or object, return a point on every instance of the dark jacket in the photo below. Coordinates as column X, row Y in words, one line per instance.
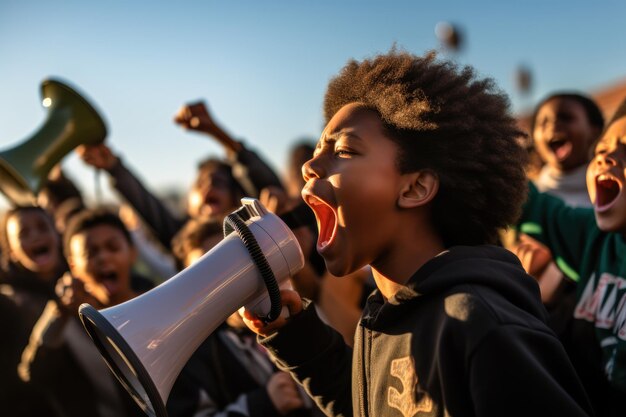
column 466, row 337
column 20, row 306
column 62, row 362
column 227, row 377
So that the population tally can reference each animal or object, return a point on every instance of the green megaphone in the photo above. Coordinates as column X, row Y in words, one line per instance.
column 71, row 122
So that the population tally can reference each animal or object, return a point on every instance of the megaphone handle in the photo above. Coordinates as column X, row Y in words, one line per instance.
column 234, row 222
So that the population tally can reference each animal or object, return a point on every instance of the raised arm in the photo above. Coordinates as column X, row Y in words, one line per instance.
column 252, row 172
column 162, row 222
column 565, row 230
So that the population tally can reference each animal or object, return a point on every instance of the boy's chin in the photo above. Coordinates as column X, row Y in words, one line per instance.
column 338, row 268
column 610, row 225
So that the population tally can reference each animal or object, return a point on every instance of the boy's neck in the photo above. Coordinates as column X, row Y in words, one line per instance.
column 394, row 271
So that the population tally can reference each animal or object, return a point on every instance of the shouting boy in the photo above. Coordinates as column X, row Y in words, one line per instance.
column 416, row 171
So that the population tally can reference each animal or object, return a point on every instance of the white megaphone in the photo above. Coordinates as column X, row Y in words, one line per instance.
column 146, row 341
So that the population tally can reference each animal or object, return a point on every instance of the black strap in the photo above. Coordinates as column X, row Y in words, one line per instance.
column 236, row 222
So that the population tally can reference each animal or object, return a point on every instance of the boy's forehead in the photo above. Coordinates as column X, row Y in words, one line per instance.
column 351, row 118
column 24, row 218
column 561, row 105
column 212, row 173
column 95, row 234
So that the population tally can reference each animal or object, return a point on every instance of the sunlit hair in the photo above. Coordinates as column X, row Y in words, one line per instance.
column 446, row 120
column 88, row 219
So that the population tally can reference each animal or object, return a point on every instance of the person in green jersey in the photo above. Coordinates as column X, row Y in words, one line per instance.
column 589, row 245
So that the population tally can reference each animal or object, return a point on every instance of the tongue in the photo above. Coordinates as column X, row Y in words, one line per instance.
column 111, row 286
column 563, row 151
column 42, row 258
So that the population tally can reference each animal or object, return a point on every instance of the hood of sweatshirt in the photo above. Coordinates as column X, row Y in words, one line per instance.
column 461, row 266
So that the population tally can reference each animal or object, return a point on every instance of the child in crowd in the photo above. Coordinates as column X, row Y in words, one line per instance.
column 416, row 171
column 565, row 125
column 591, row 246
column 32, row 262
column 60, row 358
column 216, row 191
column 62, row 199
column 564, row 128
column 229, row 374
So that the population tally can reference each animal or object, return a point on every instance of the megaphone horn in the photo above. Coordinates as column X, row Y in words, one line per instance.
column 146, row 341
column 71, row 121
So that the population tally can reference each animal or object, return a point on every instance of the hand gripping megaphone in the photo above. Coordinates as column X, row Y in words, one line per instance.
column 71, row 121
column 146, row 341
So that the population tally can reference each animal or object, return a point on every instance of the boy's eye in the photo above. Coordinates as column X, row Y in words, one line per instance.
column 565, row 116
column 343, row 153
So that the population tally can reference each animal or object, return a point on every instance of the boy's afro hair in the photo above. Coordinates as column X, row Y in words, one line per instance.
column 445, row 120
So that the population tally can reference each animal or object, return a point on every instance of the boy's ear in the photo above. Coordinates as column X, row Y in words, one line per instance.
column 419, row 189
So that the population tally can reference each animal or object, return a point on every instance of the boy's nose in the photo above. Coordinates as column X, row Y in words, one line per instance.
column 102, row 255
column 313, row 169
column 554, row 127
column 605, row 160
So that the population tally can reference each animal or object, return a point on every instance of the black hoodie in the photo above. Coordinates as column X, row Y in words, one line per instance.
column 466, row 337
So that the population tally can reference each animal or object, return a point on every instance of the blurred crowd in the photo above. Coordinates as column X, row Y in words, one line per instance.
column 62, row 252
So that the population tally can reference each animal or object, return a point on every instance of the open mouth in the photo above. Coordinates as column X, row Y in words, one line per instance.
column 41, row 253
column 326, row 221
column 561, row 148
column 211, row 200
column 109, row 281
column 607, row 190
column 212, row 204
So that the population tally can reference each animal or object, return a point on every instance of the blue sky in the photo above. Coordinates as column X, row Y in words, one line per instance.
column 262, row 67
